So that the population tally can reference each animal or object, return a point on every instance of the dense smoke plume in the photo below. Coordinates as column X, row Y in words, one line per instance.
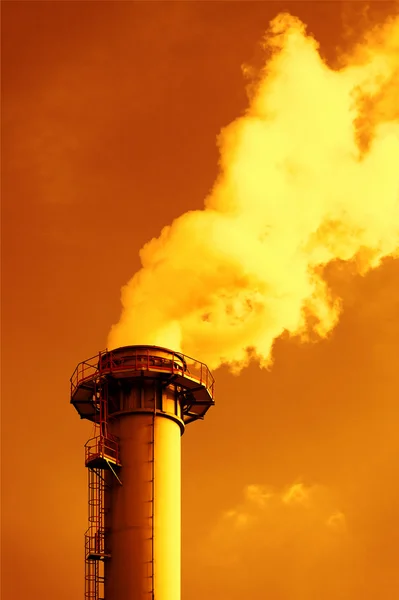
column 308, row 175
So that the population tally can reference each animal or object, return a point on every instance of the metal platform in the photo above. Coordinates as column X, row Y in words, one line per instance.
column 97, row 556
column 150, row 362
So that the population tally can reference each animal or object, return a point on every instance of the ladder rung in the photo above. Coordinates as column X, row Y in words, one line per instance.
column 100, row 456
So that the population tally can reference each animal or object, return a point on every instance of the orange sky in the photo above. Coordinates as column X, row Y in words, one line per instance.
column 110, row 113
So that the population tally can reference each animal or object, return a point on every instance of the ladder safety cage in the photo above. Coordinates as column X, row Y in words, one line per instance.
column 101, row 454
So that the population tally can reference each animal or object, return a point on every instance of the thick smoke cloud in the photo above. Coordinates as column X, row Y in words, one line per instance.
column 308, row 175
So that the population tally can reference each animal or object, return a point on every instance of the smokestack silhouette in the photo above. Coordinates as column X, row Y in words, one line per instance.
column 140, row 398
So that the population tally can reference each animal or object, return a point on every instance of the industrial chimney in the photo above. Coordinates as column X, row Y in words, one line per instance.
column 139, row 398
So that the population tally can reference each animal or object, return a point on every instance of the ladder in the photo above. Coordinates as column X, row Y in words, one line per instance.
column 102, row 454
column 95, row 550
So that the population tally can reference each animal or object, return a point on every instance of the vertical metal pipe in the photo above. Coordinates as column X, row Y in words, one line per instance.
column 130, row 574
column 167, row 535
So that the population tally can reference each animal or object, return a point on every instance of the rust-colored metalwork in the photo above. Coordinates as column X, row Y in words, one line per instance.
column 191, row 375
column 139, row 398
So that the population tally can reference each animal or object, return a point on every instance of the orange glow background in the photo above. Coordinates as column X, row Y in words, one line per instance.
column 109, row 117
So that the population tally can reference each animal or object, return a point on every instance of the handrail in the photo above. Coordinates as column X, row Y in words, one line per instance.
column 102, row 446
column 95, row 540
column 176, row 362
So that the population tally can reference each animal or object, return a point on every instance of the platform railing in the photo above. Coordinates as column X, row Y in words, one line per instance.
column 102, row 446
column 86, row 370
column 95, row 542
column 142, row 359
